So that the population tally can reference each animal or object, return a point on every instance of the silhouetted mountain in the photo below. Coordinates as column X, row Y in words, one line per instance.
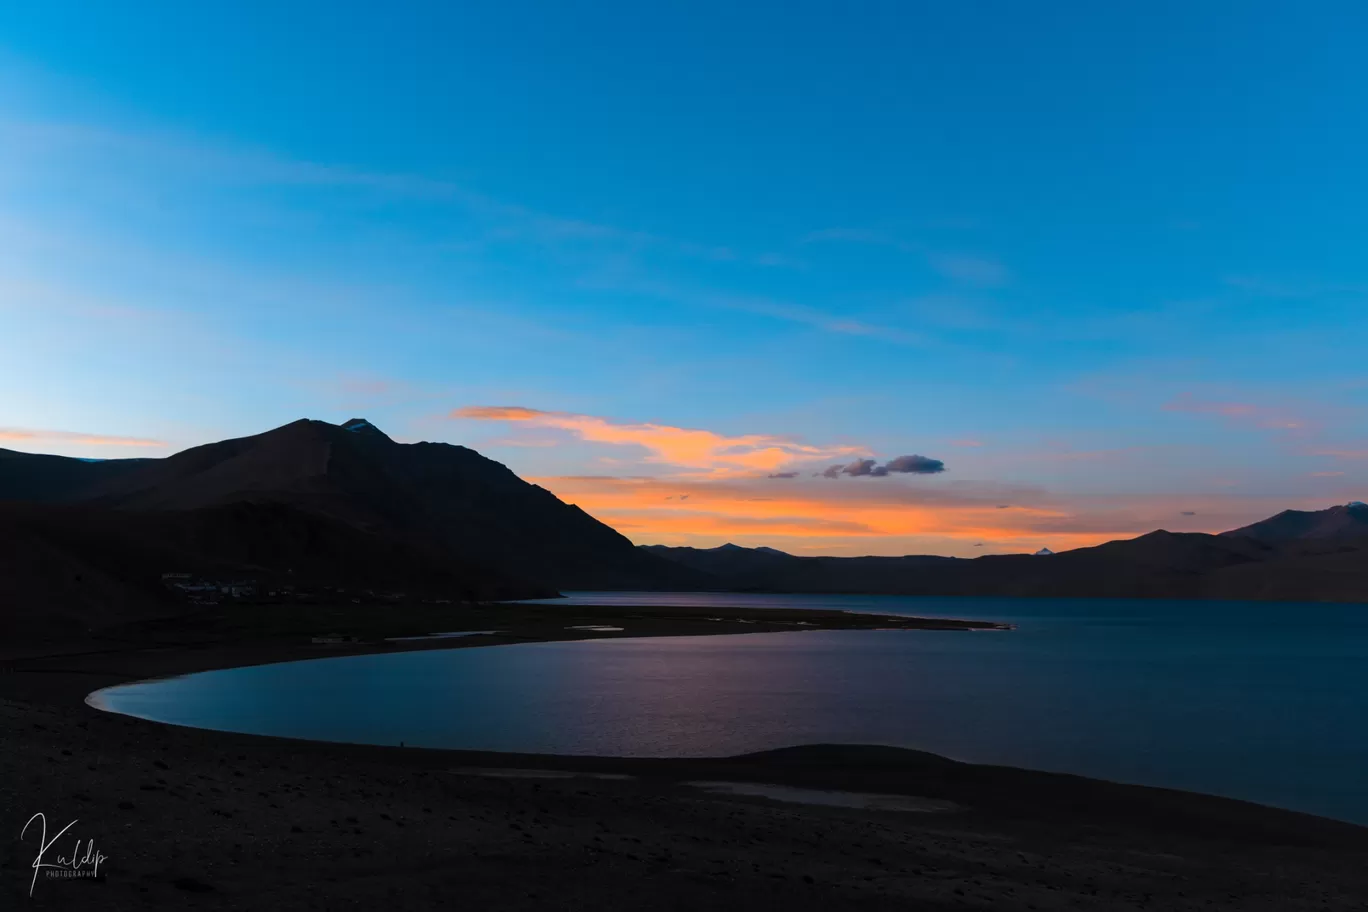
column 80, row 566
column 1157, row 565
column 328, row 505
column 35, row 477
column 728, row 563
column 347, row 491
column 1340, row 523
column 767, row 569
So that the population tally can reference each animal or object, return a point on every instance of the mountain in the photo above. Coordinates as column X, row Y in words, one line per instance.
column 317, row 506
column 31, row 476
column 1342, row 523
column 338, row 502
column 77, row 567
column 767, row 569
column 728, row 562
column 1160, row 564
column 428, row 494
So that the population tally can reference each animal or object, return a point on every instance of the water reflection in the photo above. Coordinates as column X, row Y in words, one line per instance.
column 1242, row 700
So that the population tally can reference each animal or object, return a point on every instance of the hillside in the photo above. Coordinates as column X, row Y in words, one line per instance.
column 1157, row 565
column 343, row 504
column 79, row 567
column 36, row 477
column 1340, row 523
column 427, row 494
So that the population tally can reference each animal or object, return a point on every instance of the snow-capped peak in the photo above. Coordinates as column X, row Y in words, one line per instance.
column 1043, row 552
column 364, row 427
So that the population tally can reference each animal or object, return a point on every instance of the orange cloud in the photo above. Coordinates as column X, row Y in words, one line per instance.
column 806, row 516
column 717, row 454
column 864, row 520
column 77, row 438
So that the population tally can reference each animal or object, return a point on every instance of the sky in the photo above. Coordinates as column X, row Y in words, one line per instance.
column 856, row 278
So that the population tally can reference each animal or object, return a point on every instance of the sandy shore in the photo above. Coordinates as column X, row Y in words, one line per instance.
column 197, row 819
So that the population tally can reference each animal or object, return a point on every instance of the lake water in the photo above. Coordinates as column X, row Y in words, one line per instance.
column 1267, row 702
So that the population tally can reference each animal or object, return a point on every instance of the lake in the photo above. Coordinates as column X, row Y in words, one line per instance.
column 1262, row 701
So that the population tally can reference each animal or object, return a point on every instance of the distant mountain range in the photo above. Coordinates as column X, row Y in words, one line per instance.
column 1294, row 556
column 343, row 508
column 309, row 503
column 1344, row 523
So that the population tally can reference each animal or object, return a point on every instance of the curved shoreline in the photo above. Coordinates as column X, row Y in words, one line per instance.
column 169, row 647
column 210, row 790
column 900, row 771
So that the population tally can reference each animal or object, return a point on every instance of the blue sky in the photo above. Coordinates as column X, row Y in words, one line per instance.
column 1102, row 260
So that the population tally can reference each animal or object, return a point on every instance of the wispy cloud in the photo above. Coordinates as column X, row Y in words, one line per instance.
column 1247, row 413
column 860, row 236
column 968, row 268
column 1342, row 454
column 1270, row 288
column 801, row 509
column 798, row 313
column 761, row 306
column 689, row 448
column 819, row 517
column 168, row 154
column 37, row 435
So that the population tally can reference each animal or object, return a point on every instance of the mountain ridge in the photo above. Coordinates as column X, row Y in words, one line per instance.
column 1316, row 559
column 347, row 501
column 418, row 491
column 1342, row 521
column 335, row 505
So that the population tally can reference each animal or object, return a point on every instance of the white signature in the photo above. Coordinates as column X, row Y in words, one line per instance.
column 64, row 866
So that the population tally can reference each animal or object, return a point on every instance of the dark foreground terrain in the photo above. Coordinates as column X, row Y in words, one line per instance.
column 198, row 819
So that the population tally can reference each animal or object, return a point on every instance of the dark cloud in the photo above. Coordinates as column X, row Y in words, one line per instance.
column 916, row 465
column 784, row 475
column 1004, row 506
column 859, row 467
column 1189, row 513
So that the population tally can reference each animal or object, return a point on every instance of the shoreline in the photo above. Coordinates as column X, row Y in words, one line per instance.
column 210, row 791
column 172, row 647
